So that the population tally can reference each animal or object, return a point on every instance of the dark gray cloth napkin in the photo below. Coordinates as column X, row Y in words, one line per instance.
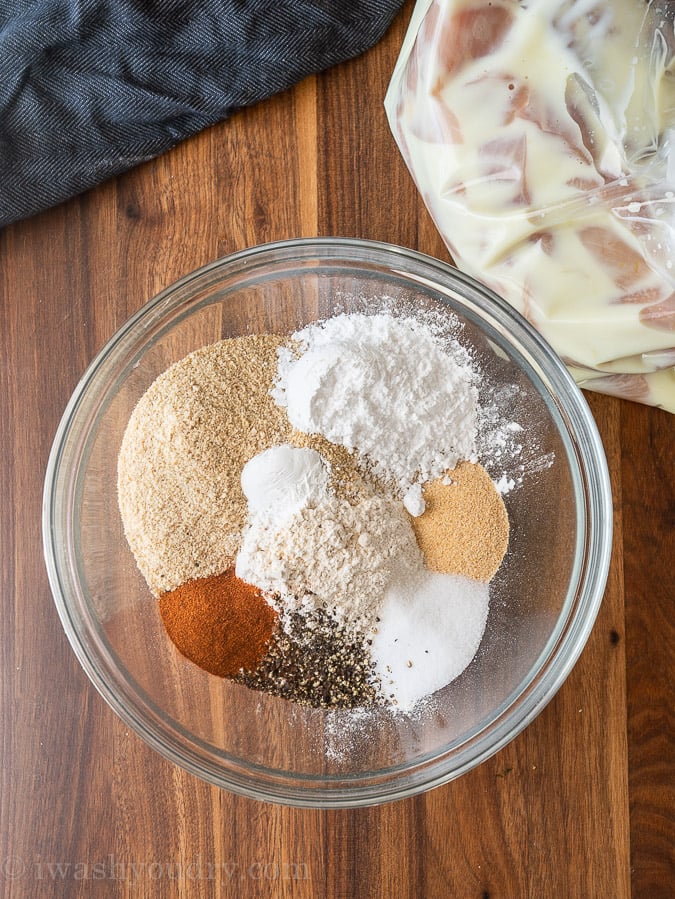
column 90, row 88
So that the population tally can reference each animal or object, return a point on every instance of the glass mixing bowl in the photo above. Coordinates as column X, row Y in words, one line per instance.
column 544, row 599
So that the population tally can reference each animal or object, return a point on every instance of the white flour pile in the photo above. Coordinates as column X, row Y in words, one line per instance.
column 385, row 388
column 320, row 551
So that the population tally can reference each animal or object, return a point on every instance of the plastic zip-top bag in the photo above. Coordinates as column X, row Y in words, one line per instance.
column 540, row 135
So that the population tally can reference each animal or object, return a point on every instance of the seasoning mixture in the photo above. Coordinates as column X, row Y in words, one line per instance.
column 310, row 511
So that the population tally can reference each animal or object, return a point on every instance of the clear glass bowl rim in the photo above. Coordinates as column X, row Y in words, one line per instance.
column 394, row 783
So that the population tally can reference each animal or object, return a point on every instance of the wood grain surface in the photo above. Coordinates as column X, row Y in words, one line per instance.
column 579, row 805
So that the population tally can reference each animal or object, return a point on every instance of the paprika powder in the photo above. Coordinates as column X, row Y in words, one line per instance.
column 220, row 623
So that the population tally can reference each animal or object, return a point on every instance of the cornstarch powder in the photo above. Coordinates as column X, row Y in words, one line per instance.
column 385, row 388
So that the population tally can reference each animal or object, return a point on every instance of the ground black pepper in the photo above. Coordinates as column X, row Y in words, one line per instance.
column 318, row 662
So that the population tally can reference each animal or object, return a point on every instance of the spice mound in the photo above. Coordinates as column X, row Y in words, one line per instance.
column 311, row 513
column 221, row 623
column 182, row 453
column 459, row 507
